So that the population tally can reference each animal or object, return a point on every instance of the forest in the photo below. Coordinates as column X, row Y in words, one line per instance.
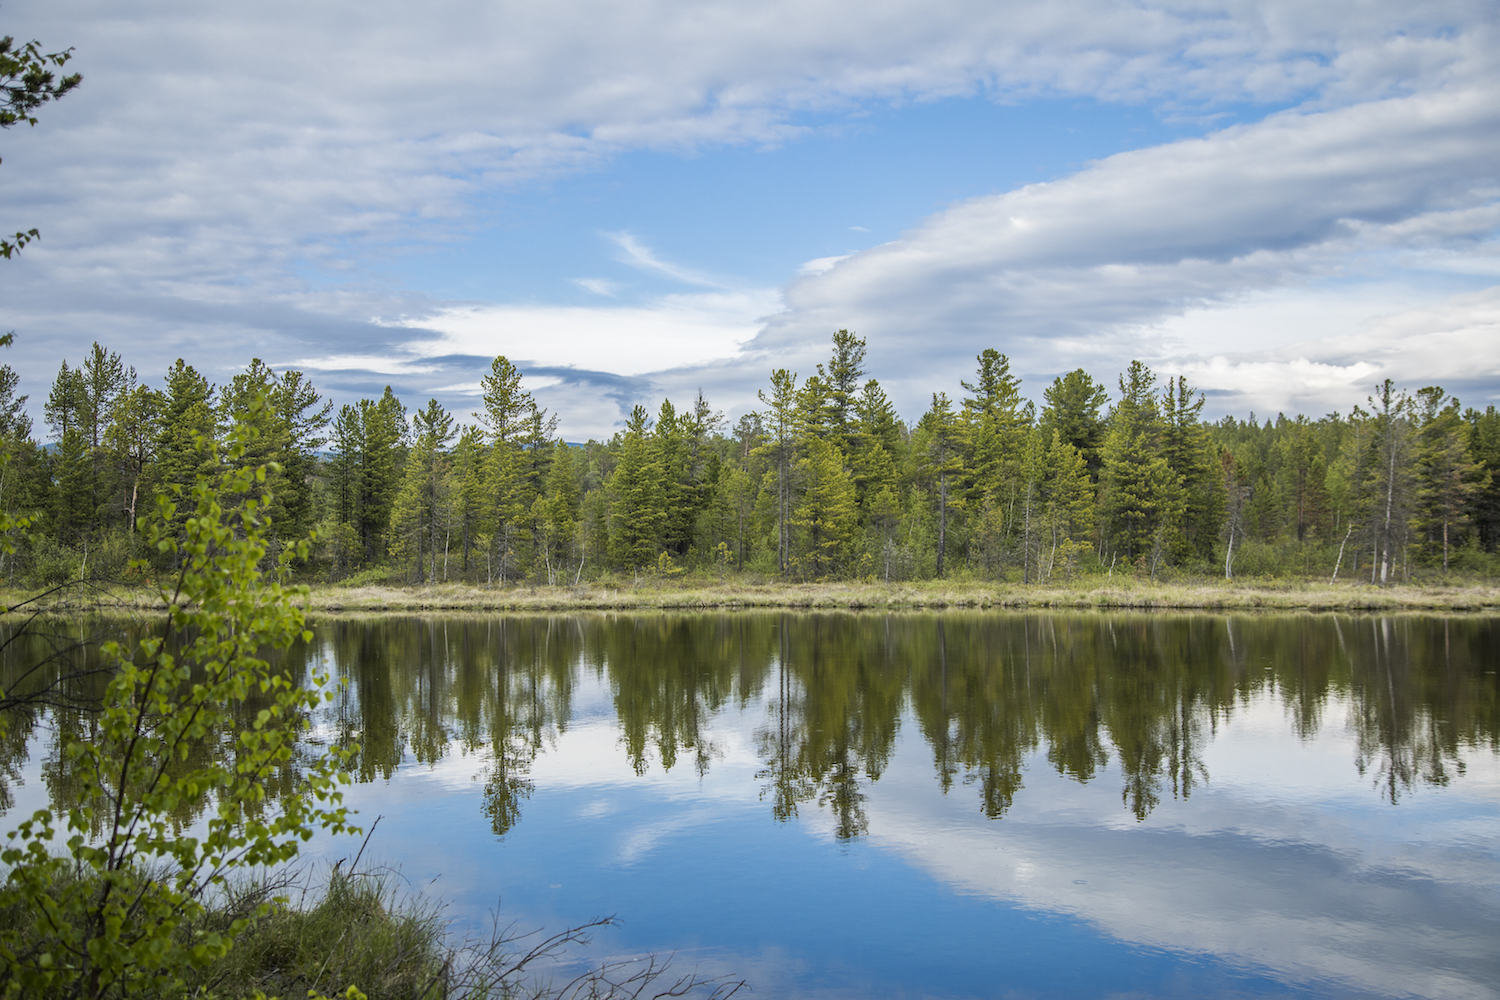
column 825, row 481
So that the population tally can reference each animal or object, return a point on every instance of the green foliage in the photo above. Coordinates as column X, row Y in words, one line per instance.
column 104, row 917
column 27, row 81
column 968, row 490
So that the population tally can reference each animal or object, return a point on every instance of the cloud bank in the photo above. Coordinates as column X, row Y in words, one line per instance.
column 234, row 181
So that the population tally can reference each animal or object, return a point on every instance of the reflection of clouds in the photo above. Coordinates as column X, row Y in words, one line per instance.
column 1296, row 877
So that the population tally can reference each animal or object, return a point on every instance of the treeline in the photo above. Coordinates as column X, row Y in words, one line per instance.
column 825, row 481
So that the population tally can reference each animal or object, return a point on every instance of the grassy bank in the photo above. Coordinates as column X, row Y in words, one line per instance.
column 701, row 594
column 354, row 930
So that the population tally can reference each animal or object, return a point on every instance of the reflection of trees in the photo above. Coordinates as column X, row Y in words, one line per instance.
column 1423, row 697
column 60, row 660
column 833, row 720
column 990, row 694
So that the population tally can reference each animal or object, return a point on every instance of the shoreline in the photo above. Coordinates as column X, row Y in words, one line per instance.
column 1127, row 595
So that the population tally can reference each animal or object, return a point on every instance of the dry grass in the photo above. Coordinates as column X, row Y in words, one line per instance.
column 710, row 595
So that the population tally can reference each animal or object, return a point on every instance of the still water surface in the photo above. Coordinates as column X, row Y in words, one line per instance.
column 956, row 805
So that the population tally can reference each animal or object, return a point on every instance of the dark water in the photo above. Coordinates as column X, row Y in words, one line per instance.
column 946, row 805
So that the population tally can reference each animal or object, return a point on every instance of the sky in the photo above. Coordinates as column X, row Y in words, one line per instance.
column 1284, row 202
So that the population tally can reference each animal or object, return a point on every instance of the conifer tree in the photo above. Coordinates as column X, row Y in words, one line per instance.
column 419, row 513
column 72, row 473
column 881, row 505
column 1447, row 475
column 187, row 413
column 534, row 460
column 635, row 491
column 825, row 515
column 1074, row 406
column 558, row 513
column 679, row 495
column 1069, row 499
column 1140, row 495
column 506, row 408
column 471, row 465
column 1388, row 480
column 66, row 402
column 1190, row 456
column 996, row 427
column 1301, row 478
column 1484, row 506
column 781, row 422
column 845, row 369
column 943, row 464
column 382, row 457
column 132, row 438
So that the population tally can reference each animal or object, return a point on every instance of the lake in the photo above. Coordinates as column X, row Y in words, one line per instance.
column 943, row 805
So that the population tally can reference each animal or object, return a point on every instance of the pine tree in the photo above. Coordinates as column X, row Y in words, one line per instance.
column 1190, row 456
column 679, row 495
column 1069, row 501
column 132, row 438
column 781, row 420
column 471, row 464
column 1447, row 475
column 66, row 402
column 1074, row 404
column 72, row 472
column 506, row 408
column 996, row 427
column 825, row 515
column 1484, row 506
column 419, row 515
column 1388, row 480
column 943, row 465
column 558, row 513
column 1140, row 494
column 382, row 456
column 635, row 491
column 187, row 414
column 1301, row 477
column 845, row 369
column 533, row 462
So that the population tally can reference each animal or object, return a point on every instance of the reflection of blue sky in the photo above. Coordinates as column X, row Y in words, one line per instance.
column 1285, row 874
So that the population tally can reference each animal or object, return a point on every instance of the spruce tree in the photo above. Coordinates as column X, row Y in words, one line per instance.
column 187, row 414
column 1073, row 409
column 1446, row 473
column 781, row 424
column 944, row 466
column 825, row 515
column 1140, row 495
column 636, row 513
column 506, row 408
column 1388, row 485
column 1069, row 501
column 1190, row 456
column 1484, row 506
column 558, row 510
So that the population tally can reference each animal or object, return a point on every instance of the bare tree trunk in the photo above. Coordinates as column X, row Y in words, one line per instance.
column 1340, row 561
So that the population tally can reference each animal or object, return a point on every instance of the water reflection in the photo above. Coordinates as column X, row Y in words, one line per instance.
column 988, row 693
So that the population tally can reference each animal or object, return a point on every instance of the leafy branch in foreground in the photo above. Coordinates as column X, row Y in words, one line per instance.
column 26, row 83
column 111, row 913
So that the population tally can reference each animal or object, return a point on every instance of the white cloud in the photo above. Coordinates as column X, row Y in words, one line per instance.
column 820, row 265
column 673, row 331
column 1100, row 267
column 637, row 254
column 599, row 286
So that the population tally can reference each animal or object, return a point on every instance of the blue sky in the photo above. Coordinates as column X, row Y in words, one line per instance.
column 1284, row 202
